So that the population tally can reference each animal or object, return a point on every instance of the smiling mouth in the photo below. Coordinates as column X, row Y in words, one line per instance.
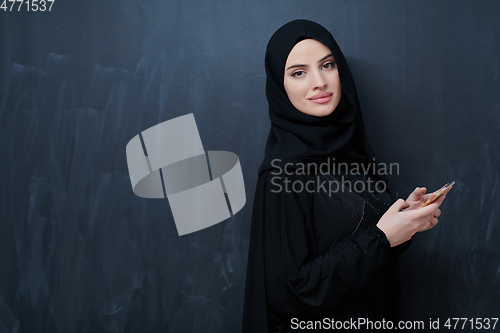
column 321, row 98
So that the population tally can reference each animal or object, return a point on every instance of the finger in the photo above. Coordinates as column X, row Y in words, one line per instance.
column 441, row 199
column 430, row 195
column 399, row 205
column 436, row 203
column 429, row 210
column 429, row 224
column 434, row 221
column 417, row 193
column 427, row 196
column 425, row 227
column 437, row 212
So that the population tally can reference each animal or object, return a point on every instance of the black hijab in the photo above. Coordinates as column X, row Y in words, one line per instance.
column 296, row 136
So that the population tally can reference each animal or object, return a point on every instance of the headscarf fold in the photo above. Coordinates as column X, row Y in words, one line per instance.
column 296, row 136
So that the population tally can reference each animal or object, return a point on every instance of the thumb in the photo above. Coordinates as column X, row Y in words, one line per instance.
column 398, row 205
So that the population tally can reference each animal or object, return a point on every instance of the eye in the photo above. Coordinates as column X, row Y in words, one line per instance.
column 298, row 74
column 329, row 65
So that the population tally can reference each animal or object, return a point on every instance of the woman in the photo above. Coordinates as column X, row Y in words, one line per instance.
column 317, row 253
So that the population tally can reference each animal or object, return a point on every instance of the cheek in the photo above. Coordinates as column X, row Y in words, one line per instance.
column 339, row 86
column 335, row 82
column 294, row 90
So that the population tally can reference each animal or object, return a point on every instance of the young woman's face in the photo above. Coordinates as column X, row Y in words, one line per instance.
column 312, row 80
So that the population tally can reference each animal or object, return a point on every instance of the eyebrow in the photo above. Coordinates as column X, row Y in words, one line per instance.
column 301, row 65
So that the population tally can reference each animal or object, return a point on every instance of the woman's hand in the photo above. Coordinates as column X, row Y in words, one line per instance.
column 402, row 220
column 418, row 197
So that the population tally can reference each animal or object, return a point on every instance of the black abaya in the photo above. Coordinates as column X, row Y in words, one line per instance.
column 316, row 255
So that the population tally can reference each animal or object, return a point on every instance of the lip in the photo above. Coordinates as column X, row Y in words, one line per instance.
column 321, row 98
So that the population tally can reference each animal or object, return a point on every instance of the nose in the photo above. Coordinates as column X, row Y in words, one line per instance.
column 318, row 80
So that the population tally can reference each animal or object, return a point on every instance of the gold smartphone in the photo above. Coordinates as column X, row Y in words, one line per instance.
column 437, row 194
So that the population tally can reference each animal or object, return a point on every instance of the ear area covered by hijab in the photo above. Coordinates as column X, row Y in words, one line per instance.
column 298, row 137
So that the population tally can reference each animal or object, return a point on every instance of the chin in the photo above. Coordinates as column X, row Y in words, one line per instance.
column 324, row 111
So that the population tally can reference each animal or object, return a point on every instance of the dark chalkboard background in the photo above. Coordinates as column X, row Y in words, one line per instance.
column 79, row 252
